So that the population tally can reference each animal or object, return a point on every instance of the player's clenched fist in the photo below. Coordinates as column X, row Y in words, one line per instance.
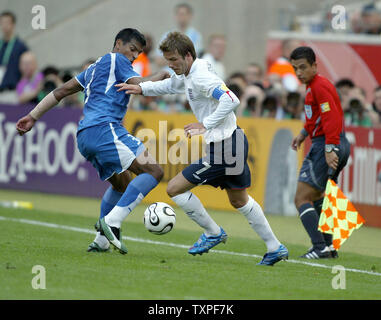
column 25, row 124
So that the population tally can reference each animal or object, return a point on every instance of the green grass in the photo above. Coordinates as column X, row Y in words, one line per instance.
column 157, row 271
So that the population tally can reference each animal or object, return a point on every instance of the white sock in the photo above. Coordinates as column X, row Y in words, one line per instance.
column 257, row 220
column 101, row 241
column 117, row 216
column 196, row 211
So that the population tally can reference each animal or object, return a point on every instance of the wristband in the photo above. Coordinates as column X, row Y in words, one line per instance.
column 44, row 105
column 304, row 132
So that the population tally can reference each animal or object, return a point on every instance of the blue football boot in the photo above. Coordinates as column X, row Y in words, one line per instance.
column 270, row 258
column 204, row 243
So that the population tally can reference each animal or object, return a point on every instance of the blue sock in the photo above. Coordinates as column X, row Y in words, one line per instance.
column 109, row 200
column 136, row 190
column 142, row 184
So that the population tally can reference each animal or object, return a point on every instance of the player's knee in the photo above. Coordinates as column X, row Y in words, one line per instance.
column 297, row 201
column 172, row 189
column 154, row 170
column 119, row 188
column 237, row 203
column 158, row 173
column 301, row 199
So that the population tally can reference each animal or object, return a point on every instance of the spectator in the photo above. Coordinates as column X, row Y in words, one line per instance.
column 183, row 18
column 51, row 81
column 142, row 66
column 251, row 102
column 376, row 106
column 344, row 86
column 11, row 49
column 356, row 109
column 236, row 89
column 294, row 106
column 269, row 106
column 142, row 63
column 75, row 100
column 355, row 21
column 282, row 67
column 87, row 64
column 31, row 81
column 254, row 74
column 280, row 95
column 215, row 54
column 371, row 20
column 239, row 79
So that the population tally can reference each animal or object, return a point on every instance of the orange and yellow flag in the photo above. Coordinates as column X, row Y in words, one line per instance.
column 338, row 215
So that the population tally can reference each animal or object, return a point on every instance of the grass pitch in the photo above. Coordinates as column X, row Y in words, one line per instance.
column 56, row 234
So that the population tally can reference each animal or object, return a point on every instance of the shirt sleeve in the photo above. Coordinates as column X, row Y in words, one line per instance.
column 228, row 101
column 170, row 85
column 123, row 69
column 81, row 78
column 330, row 115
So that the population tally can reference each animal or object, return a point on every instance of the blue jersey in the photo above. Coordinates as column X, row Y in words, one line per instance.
column 103, row 104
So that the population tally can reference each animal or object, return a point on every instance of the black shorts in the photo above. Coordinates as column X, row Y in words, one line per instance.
column 314, row 170
column 225, row 164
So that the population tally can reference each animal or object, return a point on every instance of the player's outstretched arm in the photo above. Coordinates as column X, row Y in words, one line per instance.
column 129, row 88
column 158, row 76
column 132, row 84
column 26, row 123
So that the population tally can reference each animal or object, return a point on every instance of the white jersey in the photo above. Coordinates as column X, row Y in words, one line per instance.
column 211, row 101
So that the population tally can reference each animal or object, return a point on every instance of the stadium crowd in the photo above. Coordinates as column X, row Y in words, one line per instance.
column 274, row 92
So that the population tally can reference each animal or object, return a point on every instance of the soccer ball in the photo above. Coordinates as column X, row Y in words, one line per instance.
column 159, row 218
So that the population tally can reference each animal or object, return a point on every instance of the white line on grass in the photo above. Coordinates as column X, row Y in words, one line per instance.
column 59, row 226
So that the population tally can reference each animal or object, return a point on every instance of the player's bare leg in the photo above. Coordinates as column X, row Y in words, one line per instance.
column 179, row 190
column 253, row 212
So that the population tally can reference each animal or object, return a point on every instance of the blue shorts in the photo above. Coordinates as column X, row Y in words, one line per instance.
column 109, row 147
column 225, row 164
column 314, row 170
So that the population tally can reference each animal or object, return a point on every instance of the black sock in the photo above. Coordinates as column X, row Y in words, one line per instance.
column 327, row 236
column 310, row 220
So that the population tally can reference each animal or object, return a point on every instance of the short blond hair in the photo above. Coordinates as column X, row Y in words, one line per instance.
column 177, row 41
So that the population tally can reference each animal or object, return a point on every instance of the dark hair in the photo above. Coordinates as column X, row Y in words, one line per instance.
column 50, row 70
column 238, row 74
column 270, row 103
column 303, row 53
column 9, row 14
column 184, row 5
column 344, row 82
column 180, row 42
column 235, row 89
column 126, row 35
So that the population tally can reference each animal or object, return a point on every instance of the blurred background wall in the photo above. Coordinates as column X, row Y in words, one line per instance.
column 77, row 30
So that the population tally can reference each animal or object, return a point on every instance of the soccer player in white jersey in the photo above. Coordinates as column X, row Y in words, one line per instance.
column 103, row 140
column 225, row 164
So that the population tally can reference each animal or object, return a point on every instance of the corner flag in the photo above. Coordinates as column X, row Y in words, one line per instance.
column 338, row 215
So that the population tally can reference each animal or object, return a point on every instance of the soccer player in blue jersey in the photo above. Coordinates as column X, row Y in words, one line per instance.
column 103, row 140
